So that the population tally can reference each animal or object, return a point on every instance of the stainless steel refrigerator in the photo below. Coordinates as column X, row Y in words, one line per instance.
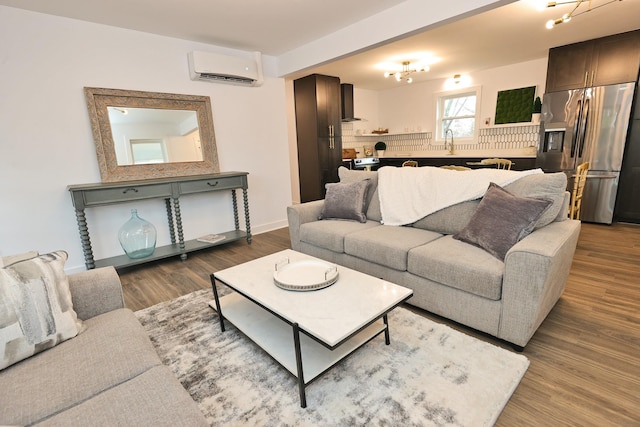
column 587, row 125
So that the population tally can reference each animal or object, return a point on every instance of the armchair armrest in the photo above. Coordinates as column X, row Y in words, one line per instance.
column 536, row 272
column 300, row 214
column 95, row 292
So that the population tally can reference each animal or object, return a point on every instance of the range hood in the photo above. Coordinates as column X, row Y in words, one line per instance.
column 346, row 90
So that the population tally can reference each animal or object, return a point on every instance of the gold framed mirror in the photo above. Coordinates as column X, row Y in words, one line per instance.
column 146, row 135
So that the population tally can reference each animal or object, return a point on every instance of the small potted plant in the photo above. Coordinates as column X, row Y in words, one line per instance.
column 536, row 110
column 380, row 147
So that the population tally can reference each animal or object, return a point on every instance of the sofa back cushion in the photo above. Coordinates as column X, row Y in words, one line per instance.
column 36, row 311
column 454, row 218
column 552, row 186
column 449, row 220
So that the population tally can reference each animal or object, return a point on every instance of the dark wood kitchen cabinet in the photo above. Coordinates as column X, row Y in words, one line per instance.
column 604, row 61
column 319, row 133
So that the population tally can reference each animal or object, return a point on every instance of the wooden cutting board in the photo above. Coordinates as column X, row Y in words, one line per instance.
column 349, row 153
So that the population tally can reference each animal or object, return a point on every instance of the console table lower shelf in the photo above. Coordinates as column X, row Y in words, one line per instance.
column 167, row 251
column 301, row 355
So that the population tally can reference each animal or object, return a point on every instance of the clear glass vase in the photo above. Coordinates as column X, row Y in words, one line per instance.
column 137, row 236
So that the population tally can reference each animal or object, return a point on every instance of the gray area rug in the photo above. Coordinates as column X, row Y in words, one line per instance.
column 430, row 375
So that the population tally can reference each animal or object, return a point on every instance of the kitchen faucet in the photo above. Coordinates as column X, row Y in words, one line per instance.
column 445, row 140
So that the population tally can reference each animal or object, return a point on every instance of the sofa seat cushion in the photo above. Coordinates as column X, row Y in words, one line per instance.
column 113, row 348
column 459, row 265
column 330, row 234
column 153, row 398
column 387, row 245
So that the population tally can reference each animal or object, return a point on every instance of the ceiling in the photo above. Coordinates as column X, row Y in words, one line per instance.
column 272, row 27
column 505, row 35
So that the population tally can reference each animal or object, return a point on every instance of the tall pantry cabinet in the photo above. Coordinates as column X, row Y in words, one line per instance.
column 319, row 132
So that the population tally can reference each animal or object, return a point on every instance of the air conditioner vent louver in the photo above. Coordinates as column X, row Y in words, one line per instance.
column 228, row 79
column 213, row 67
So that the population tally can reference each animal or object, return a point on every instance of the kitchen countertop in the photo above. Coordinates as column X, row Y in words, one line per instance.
column 519, row 163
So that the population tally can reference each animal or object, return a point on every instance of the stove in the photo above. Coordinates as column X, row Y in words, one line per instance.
column 367, row 163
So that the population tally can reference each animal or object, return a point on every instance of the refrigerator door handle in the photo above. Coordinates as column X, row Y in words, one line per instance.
column 576, row 129
column 584, row 125
column 603, row 176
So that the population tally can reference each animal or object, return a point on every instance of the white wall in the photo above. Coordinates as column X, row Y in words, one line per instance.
column 414, row 105
column 46, row 141
column 366, row 107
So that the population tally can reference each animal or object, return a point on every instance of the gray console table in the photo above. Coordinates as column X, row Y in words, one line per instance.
column 170, row 189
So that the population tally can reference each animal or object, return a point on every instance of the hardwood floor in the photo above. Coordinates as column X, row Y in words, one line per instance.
column 585, row 358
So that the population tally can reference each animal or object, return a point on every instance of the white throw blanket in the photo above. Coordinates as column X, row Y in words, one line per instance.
column 409, row 194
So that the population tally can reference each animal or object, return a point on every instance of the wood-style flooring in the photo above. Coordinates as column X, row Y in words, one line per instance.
column 585, row 358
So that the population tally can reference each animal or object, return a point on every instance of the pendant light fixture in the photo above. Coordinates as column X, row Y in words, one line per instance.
column 406, row 71
column 575, row 11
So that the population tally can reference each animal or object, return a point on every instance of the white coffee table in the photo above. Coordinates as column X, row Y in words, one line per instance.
column 316, row 328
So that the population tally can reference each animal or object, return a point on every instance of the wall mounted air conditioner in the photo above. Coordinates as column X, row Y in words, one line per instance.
column 215, row 67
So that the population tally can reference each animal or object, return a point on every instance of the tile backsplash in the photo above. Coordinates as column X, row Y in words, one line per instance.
column 517, row 137
column 510, row 137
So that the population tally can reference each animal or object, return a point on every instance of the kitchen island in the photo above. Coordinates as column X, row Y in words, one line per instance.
column 519, row 163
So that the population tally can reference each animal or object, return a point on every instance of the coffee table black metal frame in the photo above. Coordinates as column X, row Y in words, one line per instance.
column 296, row 330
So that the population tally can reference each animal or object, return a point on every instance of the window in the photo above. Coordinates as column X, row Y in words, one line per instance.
column 457, row 111
column 145, row 151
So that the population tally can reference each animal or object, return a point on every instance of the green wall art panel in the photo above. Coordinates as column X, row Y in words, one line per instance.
column 514, row 105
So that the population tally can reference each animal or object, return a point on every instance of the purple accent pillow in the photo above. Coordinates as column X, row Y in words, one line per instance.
column 502, row 220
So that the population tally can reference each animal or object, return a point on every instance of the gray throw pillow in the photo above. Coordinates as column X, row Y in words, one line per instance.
column 372, row 204
column 502, row 220
column 345, row 201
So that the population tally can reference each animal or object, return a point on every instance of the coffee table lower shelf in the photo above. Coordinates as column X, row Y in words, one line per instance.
column 277, row 338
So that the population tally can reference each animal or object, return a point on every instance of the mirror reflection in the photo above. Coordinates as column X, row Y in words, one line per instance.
column 148, row 135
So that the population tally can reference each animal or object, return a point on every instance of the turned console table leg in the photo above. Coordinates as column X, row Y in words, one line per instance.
column 235, row 209
column 245, row 199
column 85, row 240
column 176, row 208
column 172, row 229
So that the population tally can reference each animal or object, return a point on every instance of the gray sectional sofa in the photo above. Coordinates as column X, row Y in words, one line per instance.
column 107, row 375
column 506, row 298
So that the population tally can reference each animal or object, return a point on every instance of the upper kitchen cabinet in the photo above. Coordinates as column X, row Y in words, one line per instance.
column 319, row 133
column 604, row 61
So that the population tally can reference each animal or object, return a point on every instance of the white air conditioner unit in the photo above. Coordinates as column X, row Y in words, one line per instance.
column 215, row 67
